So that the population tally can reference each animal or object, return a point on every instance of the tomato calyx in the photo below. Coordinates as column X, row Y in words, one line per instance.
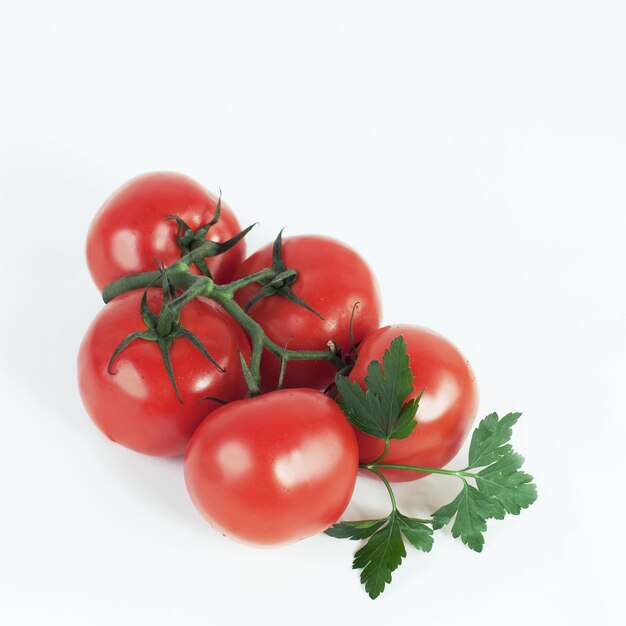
column 164, row 328
column 347, row 357
column 280, row 284
column 190, row 241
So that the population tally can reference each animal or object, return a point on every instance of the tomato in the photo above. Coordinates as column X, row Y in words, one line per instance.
column 446, row 410
column 332, row 278
column 136, row 405
column 130, row 230
column 273, row 469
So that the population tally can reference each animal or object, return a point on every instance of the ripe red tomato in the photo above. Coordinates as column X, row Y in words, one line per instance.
column 136, row 405
column 331, row 279
column 130, row 231
column 273, row 469
column 447, row 408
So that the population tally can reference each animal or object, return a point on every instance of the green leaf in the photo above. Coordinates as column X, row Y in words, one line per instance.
column 405, row 423
column 470, row 509
column 380, row 556
column 501, row 486
column 355, row 530
column 381, row 410
column 385, row 549
column 419, row 534
column 490, row 439
column 360, row 408
column 506, row 483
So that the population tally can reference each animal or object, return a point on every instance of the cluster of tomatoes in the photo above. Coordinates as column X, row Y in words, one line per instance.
column 275, row 465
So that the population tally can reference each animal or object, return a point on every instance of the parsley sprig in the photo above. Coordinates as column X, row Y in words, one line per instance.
column 493, row 483
column 381, row 410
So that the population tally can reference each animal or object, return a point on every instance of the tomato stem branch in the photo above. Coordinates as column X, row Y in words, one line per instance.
column 193, row 286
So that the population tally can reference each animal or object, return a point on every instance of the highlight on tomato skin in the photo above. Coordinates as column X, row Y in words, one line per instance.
column 333, row 279
column 130, row 230
column 273, row 469
column 136, row 405
column 447, row 408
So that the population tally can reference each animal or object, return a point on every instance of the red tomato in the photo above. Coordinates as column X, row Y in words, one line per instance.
column 136, row 405
column 447, row 408
column 130, row 231
column 273, row 469
column 331, row 279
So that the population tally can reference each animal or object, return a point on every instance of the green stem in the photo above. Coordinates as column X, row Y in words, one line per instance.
column 383, row 455
column 223, row 296
column 128, row 283
column 201, row 286
column 258, row 277
column 417, row 468
column 179, row 275
column 386, row 483
column 201, row 251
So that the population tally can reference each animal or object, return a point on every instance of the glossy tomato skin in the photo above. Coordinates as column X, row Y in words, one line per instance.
column 446, row 411
column 273, row 469
column 129, row 231
column 136, row 406
column 331, row 279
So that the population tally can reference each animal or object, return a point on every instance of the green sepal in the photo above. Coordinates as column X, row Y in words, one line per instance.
column 280, row 285
column 214, row 399
column 165, row 344
column 283, row 364
column 219, row 247
column 193, row 339
column 147, row 335
column 189, row 240
column 247, row 374
column 149, row 318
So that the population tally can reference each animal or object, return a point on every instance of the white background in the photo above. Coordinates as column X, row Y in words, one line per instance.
column 473, row 152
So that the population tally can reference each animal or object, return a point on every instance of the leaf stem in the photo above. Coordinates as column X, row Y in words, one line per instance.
column 417, row 468
column 383, row 454
column 386, row 483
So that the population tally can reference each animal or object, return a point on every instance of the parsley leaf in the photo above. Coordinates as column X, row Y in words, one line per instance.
column 471, row 510
column 489, row 440
column 380, row 556
column 385, row 549
column 504, row 482
column 419, row 534
column 382, row 410
column 501, row 486
column 355, row 530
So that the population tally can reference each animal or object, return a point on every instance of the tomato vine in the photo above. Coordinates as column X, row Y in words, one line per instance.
column 277, row 278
